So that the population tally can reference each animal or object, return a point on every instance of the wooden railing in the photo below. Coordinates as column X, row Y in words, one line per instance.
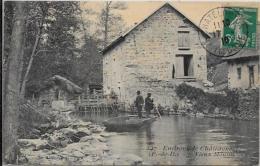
column 27, row 106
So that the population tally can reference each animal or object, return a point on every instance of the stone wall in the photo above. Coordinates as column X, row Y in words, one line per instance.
column 150, row 50
column 163, row 92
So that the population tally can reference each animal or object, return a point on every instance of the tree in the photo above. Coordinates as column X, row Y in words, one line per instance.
column 51, row 27
column 11, row 85
column 87, row 68
column 110, row 24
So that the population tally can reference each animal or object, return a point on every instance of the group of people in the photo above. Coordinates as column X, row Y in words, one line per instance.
column 148, row 103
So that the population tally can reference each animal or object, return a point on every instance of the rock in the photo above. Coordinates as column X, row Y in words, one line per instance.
column 36, row 144
column 77, row 154
column 64, row 143
column 206, row 111
column 97, row 130
column 36, row 132
column 68, row 131
column 85, row 130
column 101, row 139
column 81, row 134
column 108, row 162
column 53, row 157
column 79, row 124
column 22, row 159
column 199, row 114
column 57, row 137
column 207, row 83
column 88, row 161
column 23, row 143
column 45, row 136
column 216, row 110
column 54, row 143
column 231, row 117
column 191, row 114
column 74, row 138
column 54, row 152
column 45, row 125
column 86, row 138
column 45, row 150
column 106, row 134
column 129, row 159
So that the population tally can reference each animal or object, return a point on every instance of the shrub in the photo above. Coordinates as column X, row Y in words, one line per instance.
column 184, row 90
column 204, row 100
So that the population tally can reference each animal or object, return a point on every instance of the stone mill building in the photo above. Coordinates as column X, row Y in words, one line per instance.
column 160, row 51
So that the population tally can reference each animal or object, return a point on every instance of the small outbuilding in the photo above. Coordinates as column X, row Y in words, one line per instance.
column 58, row 88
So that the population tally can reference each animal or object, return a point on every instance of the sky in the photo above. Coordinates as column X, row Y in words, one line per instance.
column 137, row 11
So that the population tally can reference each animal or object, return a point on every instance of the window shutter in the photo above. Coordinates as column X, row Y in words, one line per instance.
column 183, row 39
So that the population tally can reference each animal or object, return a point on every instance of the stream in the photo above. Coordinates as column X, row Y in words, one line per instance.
column 178, row 140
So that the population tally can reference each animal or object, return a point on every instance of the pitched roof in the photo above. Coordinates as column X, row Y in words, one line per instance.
column 244, row 53
column 64, row 83
column 122, row 37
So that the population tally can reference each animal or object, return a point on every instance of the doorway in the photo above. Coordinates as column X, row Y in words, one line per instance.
column 251, row 76
column 188, row 65
column 183, row 66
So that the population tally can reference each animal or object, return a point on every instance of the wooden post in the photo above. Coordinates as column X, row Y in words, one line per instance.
column 79, row 99
column 159, row 113
column 58, row 94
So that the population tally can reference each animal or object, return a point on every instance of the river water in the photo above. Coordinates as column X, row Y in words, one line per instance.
column 177, row 140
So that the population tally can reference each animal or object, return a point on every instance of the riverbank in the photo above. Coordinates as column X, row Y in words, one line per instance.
column 70, row 141
column 230, row 104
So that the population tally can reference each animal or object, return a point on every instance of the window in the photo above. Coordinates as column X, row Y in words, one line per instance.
column 183, row 39
column 239, row 73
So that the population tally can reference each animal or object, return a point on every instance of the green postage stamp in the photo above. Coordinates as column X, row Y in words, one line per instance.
column 239, row 27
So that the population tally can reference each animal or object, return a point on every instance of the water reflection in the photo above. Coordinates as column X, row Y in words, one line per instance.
column 170, row 137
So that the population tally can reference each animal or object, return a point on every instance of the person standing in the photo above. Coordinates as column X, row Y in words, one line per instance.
column 139, row 101
column 148, row 103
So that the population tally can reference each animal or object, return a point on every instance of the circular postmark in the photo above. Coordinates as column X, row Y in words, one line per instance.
column 226, row 30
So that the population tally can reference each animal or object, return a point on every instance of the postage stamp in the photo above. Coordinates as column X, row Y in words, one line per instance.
column 230, row 29
column 239, row 27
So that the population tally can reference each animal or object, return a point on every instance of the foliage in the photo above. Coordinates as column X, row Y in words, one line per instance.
column 56, row 51
column 184, row 90
column 204, row 100
column 110, row 23
column 87, row 68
